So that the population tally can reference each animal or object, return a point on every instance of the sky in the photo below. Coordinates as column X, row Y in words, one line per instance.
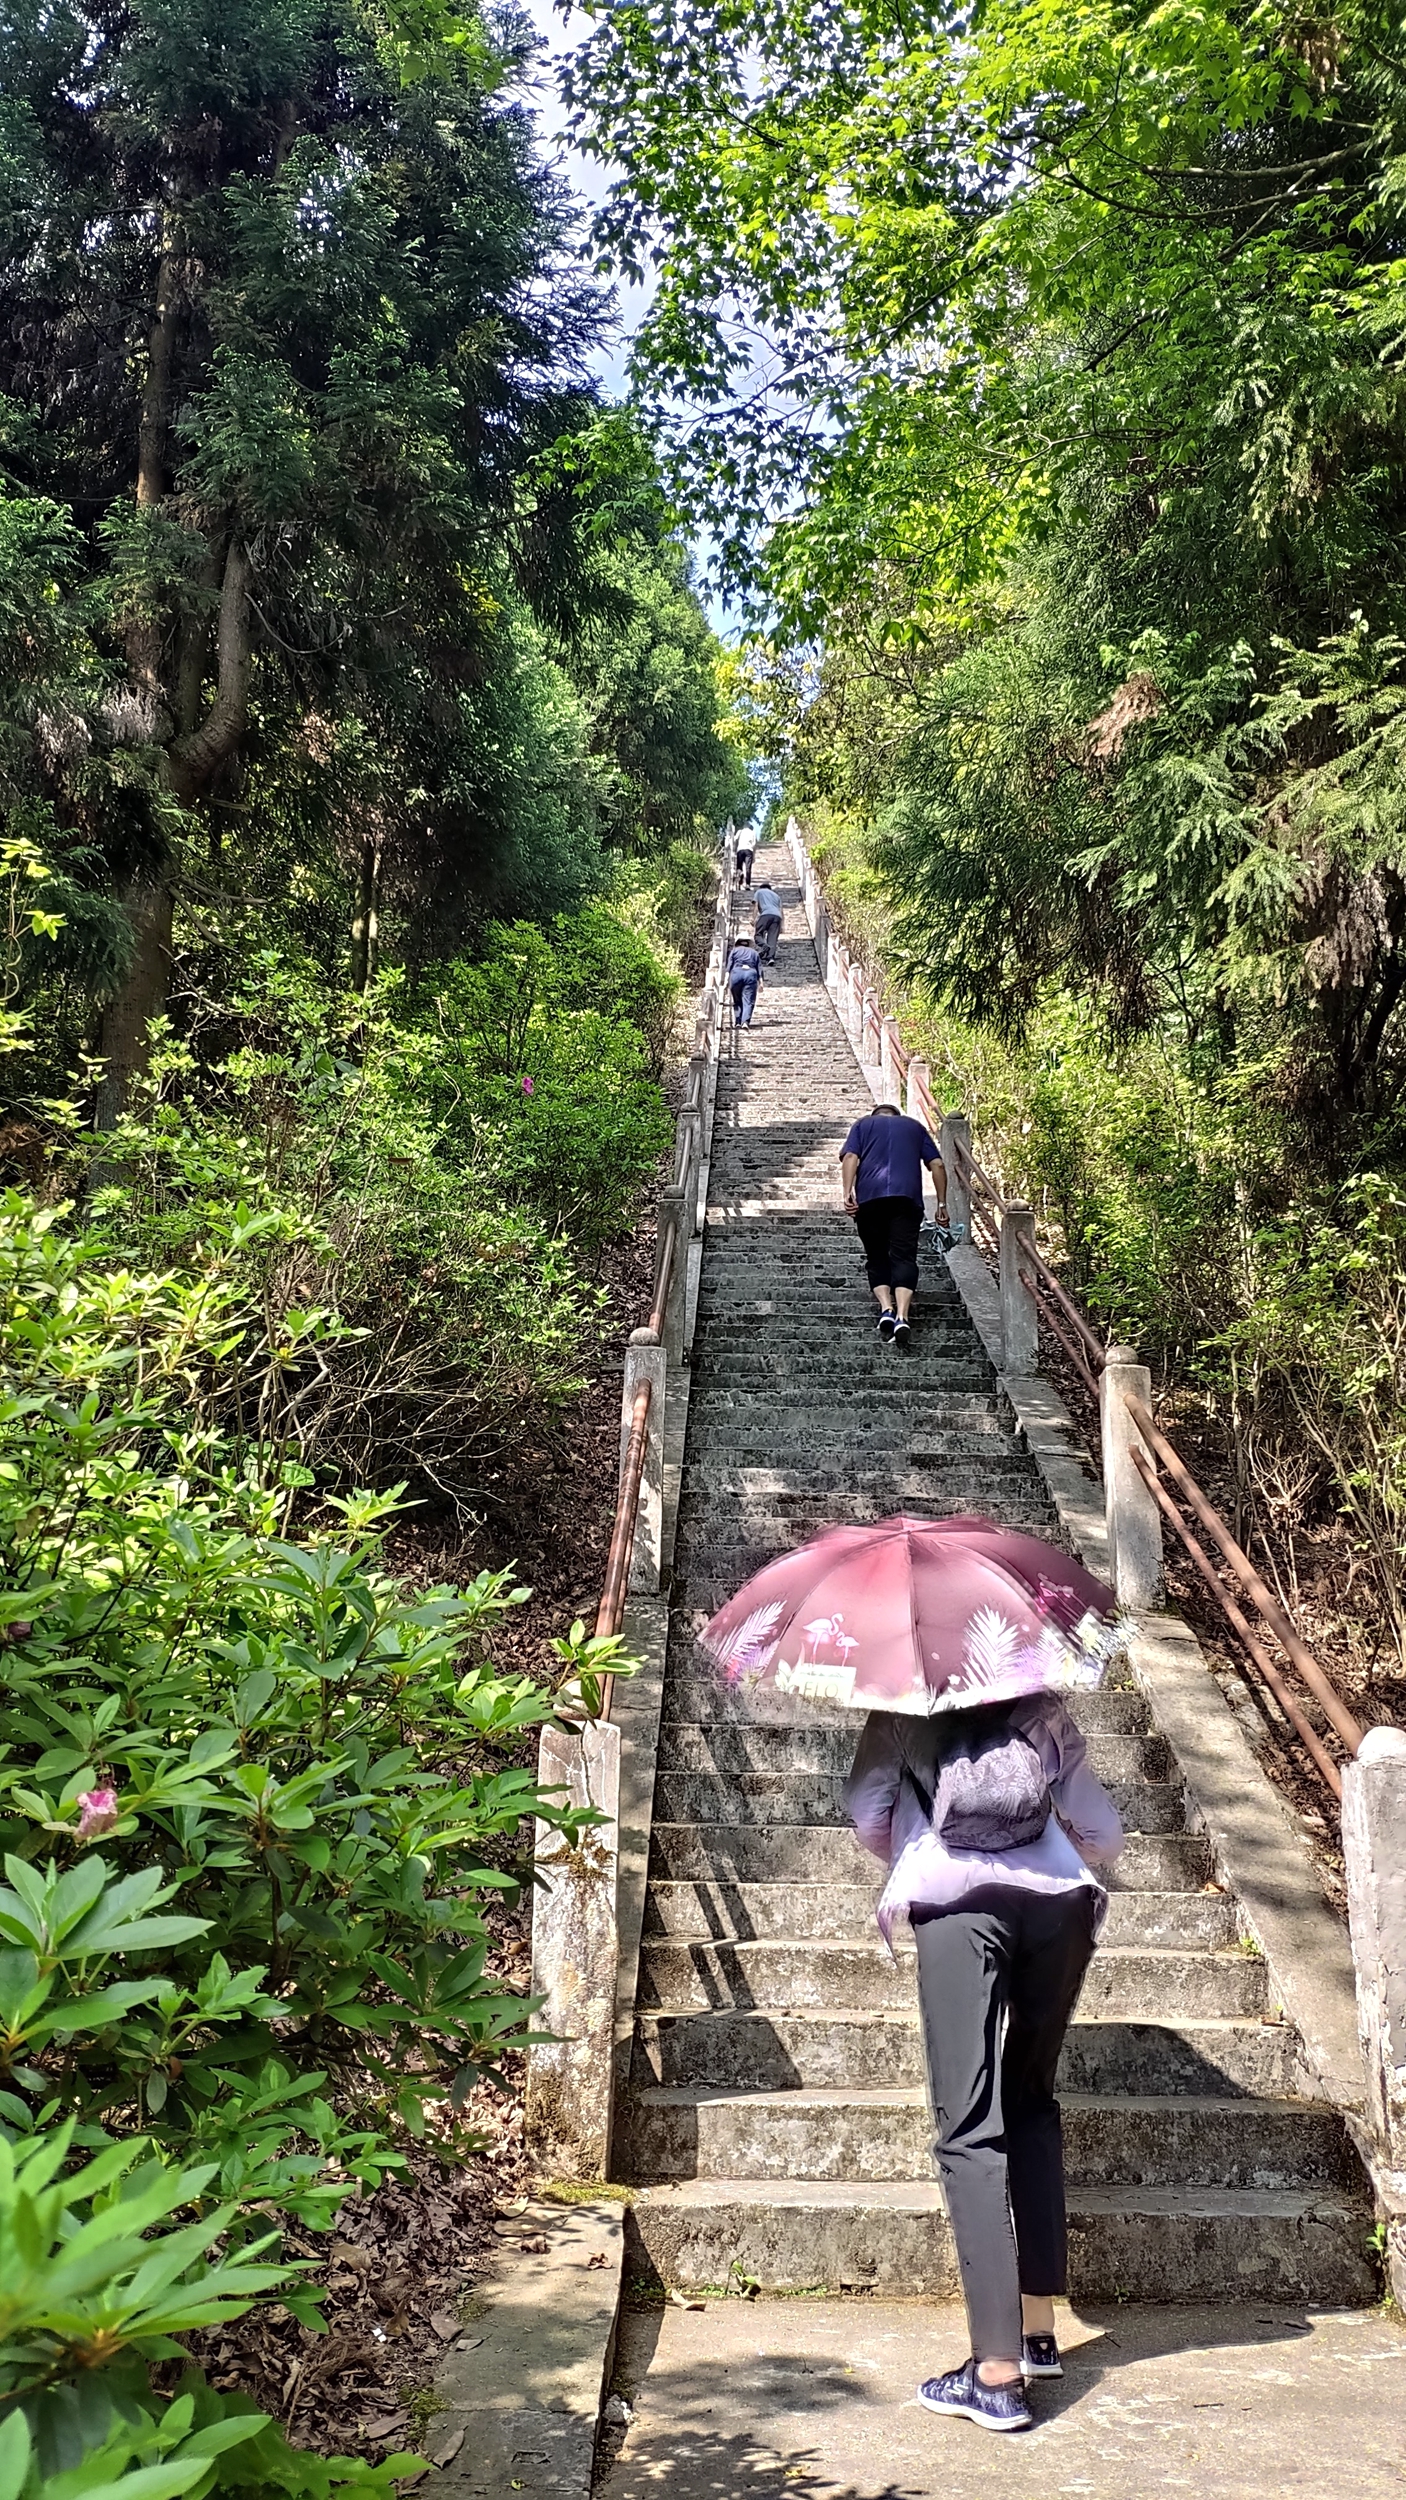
column 587, row 179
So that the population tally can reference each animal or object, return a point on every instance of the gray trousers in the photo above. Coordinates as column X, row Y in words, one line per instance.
column 1004, row 1956
column 765, row 936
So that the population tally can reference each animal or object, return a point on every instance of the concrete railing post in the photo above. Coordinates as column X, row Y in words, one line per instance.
column 917, row 1093
column 1020, row 1333
column 674, row 1209
column 690, row 1174
column 854, row 1002
column 1134, row 1521
column 1374, row 1853
column 869, row 1026
column 688, row 1144
column 646, row 1362
column 888, row 1061
column 575, row 1950
column 955, row 1139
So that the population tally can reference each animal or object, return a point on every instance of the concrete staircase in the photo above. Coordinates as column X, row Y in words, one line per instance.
column 776, row 2117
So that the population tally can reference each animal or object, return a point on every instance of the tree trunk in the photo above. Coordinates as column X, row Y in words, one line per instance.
column 128, row 1015
column 195, row 759
column 365, row 928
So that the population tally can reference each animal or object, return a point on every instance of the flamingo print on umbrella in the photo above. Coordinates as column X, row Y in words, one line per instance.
column 918, row 1615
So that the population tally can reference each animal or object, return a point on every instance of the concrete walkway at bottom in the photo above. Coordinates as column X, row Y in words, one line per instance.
column 816, row 2400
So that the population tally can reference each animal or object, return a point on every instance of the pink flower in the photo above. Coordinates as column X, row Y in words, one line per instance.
column 527, row 1085
column 97, row 1812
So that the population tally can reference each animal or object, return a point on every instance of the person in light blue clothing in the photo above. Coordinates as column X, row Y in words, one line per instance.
column 744, row 971
column 768, row 924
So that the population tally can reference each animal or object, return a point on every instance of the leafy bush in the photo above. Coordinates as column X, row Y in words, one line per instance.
column 234, row 2005
column 1323, row 1342
column 552, row 1095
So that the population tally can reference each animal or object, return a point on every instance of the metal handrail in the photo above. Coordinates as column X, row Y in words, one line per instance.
column 610, row 1612
column 653, row 1332
column 1294, row 1647
column 1308, row 1736
column 1095, row 1354
column 979, row 1179
column 1072, row 1347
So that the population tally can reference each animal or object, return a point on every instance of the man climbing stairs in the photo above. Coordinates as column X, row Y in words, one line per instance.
column 775, row 2117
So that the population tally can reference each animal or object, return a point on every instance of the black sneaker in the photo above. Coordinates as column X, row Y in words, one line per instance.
column 992, row 2408
column 1039, row 2357
column 886, row 1325
column 901, row 1332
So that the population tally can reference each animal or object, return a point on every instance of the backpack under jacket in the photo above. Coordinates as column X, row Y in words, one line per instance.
column 990, row 1792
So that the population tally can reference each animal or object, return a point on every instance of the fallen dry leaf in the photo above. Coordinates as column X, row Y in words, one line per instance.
column 445, row 2323
column 445, row 2450
column 385, row 2426
column 348, row 2253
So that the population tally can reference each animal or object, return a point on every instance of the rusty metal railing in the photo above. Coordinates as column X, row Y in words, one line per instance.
column 679, row 1216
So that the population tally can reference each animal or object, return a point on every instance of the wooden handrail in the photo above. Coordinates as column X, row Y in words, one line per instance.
column 1294, row 1647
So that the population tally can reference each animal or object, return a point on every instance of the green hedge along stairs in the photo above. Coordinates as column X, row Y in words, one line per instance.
column 775, row 2118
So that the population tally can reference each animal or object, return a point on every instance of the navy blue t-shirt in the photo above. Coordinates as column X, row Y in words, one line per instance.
column 892, row 1153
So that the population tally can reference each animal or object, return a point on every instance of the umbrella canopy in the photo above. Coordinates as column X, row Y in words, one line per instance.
column 918, row 1615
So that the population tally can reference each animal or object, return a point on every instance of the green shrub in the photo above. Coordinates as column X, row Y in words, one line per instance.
column 276, row 1956
column 551, row 1096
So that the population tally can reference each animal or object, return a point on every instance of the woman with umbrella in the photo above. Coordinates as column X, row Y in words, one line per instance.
column 958, row 1637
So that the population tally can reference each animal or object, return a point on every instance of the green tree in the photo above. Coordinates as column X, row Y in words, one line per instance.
column 280, row 343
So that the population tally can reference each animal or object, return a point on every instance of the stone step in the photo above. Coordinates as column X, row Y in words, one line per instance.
column 870, row 1492
column 1124, row 1982
column 721, row 1528
column 749, row 2051
column 715, row 1405
column 783, row 1853
column 1125, row 2243
column 694, row 1693
column 815, row 1798
column 725, row 1747
column 1175, row 1921
column 722, row 1480
column 1109, row 2140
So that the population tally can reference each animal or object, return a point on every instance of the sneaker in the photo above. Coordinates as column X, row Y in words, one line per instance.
column 901, row 1332
column 886, row 1325
column 992, row 2408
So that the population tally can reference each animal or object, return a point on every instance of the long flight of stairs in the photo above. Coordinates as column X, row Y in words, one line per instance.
column 776, row 2119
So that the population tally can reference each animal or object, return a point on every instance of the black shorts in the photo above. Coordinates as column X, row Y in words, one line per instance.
column 888, row 1228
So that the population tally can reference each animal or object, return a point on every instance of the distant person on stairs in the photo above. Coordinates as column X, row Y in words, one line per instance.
column 882, row 1162
column 746, row 853
column 768, row 930
column 744, row 971
column 1005, row 1913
